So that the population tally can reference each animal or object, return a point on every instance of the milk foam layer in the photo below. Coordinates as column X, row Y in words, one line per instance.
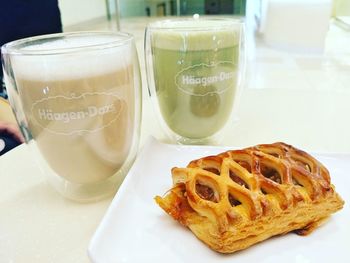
column 195, row 24
column 80, row 63
column 195, row 34
column 71, row 42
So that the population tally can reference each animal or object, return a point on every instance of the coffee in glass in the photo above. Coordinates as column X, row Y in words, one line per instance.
column 78, row 101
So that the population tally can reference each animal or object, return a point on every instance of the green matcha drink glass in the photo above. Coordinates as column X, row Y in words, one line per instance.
column 194, row 68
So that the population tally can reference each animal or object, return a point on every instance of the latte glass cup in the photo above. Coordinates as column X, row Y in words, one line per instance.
column 77, row 100
column 195, row 69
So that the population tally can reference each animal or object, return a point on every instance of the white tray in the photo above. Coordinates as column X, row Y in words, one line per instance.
column 135, row 229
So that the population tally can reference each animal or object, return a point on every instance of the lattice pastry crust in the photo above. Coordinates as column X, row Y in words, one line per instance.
column 238, row 198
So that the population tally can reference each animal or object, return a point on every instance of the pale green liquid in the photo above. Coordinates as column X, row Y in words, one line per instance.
column 195, row 111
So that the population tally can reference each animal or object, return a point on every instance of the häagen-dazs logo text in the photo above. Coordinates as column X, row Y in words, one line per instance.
column 214, row 78
column 88, row 112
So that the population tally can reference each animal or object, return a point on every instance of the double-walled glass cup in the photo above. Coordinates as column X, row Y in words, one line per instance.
column 77, row 100
column 195, row 69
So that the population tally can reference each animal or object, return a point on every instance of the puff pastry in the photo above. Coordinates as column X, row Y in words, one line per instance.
column 238, row 198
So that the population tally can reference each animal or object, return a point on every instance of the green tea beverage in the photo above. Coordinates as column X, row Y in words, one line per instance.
column 196, row 74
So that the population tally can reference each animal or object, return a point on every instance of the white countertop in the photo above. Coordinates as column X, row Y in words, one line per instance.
column 297, row 98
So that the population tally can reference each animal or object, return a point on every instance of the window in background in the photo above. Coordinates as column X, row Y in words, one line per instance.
column 101, row 15
column 213, row 7
column 90, row 15
column 132, row 8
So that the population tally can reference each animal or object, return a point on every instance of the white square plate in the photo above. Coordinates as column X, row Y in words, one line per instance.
column 136, row 230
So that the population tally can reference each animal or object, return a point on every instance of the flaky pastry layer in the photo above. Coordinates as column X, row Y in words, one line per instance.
column 238, row 198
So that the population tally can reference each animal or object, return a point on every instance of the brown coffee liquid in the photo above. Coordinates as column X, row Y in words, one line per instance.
column 83, row 127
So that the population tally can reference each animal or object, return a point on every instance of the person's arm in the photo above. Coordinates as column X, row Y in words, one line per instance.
column 11, row 129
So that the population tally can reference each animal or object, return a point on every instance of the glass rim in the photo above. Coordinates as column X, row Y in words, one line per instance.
column 16, row 47
column 169, row 24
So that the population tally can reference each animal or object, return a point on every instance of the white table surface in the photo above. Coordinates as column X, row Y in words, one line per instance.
column 301, row 99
